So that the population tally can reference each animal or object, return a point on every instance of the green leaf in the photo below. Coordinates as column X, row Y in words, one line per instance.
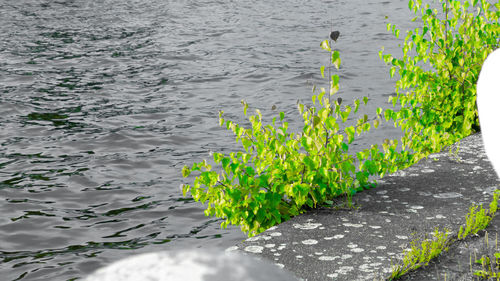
column 393, row 71
column 350, row 134
column 345, row 147
column 325, row 45
column 336, row 59
column 356, row 105
column 186, row 171
column 282, row 116
column 316, row 121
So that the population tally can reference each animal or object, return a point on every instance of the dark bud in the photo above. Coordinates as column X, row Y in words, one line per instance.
column 335, row 35
column 339, row 100
column 273, row 107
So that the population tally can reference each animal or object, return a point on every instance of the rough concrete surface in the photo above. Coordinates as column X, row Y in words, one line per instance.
column 363, row 243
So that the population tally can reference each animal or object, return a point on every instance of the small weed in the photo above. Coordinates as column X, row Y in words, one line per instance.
column 490, row 262
column 476, row 220
column 453, row 152
column 422, row 251
column 488, row 270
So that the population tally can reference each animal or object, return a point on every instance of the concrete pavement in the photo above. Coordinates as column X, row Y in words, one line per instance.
column 362, row 243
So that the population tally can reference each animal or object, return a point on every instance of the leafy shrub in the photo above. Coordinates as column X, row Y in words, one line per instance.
column 438, row 72
column 279, row 172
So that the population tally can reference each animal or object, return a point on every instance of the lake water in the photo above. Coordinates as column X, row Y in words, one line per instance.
column 102, row 103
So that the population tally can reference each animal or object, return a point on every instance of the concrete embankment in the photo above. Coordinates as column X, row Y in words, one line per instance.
column 363, row 243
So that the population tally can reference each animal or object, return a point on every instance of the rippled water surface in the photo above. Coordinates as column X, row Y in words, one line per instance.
column 102, row 103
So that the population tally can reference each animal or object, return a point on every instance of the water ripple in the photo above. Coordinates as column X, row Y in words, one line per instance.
column 103, row 102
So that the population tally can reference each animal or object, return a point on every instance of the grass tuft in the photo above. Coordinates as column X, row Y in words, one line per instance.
column 424, row 250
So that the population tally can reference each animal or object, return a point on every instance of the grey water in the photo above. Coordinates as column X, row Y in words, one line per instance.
column 103, row 102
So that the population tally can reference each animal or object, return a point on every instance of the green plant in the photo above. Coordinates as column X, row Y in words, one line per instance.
column 476, row 220
column 420, row 253
column 488, row 270
column 279, row 172
column 436, row 89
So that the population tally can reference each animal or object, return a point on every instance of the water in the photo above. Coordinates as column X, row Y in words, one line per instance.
column 103, row 102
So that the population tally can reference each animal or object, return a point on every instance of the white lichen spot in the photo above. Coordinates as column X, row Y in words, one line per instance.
column 252, row 239
column 411, row 211
column 447, row 195
column 477, row 168
column 281, row 247
column 357, row 250
column 387, row 270
column 272, row 228
column 427, row 171
column 310, row 242
column 280, row 265
column 328, row 238
column 351, row 245
column 345, row 269
column 275, row 234
column 381, row 248
column 404, row 189
column 233, row 248
column 357, row 225
column 318, row 253
column 417, row 207
column 299, row 257
column 307, row 225
column 328, row 258
column 440, row 217
column 333, row 275
column 382, row 192
column 338, row 236
column 387, row 220
column 365, row 268
column 269, row 245
column 402, row 237
column 277, row 254
column 254, row 249
column 375, row 226
column 347, row 256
